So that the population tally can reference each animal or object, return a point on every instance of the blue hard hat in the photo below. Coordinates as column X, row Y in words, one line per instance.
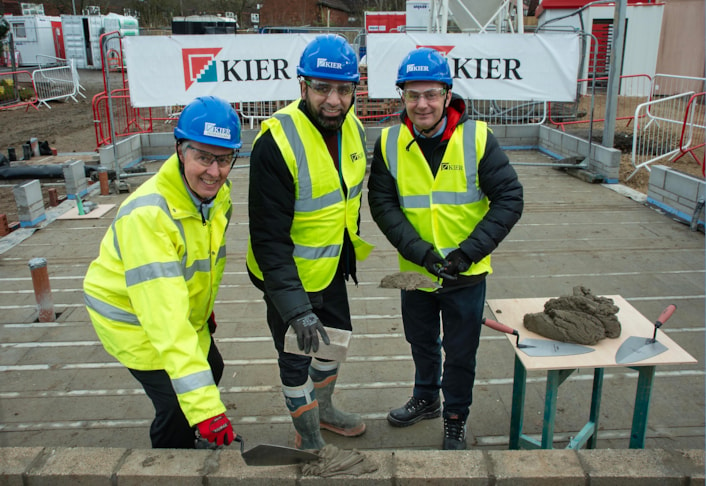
column 209, row 120
column 424, row 64
column 329, row 57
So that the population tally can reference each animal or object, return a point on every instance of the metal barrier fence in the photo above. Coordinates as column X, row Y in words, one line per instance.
column 668, row 128
column 17, row 89
column 590, row 107
column 55, row 83
column 126, row 120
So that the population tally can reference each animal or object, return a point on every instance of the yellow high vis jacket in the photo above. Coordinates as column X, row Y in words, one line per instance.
column 321, row 209
column 152, row 288
column 444, row 210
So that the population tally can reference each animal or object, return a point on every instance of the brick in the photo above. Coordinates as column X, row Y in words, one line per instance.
column 75, row 465
column 450, row 468
column 167, row 467
column 633, row 467
column 536, row 468
column 14, row 461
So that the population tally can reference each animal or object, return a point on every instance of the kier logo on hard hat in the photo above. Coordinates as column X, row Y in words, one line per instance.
column 200, row 65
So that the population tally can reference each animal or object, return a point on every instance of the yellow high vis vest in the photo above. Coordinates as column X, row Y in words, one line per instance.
column 444, row 210
column 321, row 209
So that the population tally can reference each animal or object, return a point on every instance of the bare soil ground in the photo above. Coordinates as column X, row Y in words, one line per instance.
column 69, row 128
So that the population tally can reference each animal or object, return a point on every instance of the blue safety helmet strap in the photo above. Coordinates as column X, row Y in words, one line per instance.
column 329, row 57
column 424, row 64
column 209, row 120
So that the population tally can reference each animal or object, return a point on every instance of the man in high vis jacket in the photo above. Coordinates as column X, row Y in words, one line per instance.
column 306, row 178
column 445, row 195
column 150, row 292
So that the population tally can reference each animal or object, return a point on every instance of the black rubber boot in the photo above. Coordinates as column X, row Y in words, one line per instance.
column 324, row 375
column 413, row 411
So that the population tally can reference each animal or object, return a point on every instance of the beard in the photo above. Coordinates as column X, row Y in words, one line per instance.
column 326, row 122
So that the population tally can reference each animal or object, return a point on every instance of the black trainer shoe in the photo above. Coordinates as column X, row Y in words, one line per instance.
column 413, row 411
column 454, row 433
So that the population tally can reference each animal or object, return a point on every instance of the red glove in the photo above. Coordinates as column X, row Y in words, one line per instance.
column 217, row 429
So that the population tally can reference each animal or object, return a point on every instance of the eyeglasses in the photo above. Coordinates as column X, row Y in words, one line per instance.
column 431, row 95
column 325, row 89
column 205, row 159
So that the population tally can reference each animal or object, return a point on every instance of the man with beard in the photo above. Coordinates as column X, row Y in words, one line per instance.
column 306, row 177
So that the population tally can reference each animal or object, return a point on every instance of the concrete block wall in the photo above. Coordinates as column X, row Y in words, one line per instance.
column 128, row 152
column 676, row 193
column 135, row 467
column 602, row 160
column 75, row 179
column 30, row 203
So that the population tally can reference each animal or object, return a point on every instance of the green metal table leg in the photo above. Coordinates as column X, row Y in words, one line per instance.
column 642, row 406
column 595, row 406
column 553, row 382
column 519, row 385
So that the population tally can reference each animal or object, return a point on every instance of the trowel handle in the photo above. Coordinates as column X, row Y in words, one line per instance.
column 499, row 327
column 665, row 315
column 239, row 438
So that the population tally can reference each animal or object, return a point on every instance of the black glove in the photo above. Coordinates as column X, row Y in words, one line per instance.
column 306, row 326
column 436, row 264
column 458, row 262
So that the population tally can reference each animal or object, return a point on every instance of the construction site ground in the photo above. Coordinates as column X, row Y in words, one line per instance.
column 59, row 388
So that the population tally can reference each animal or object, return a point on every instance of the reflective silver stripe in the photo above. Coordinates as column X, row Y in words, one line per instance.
column 391, row 149
column 311, row 205
column 153, row 271
column 197, row 266
column 314, row 252
column 361, row 132
column 305, row 202
column 355, row 190
column 192, row 382
column 110, row 311
column 415, row 202
column 441, row 197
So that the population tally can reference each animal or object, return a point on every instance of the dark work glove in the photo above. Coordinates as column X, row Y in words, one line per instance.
column 212, row 323
column 458, row 262
column 436, row 264
column 306, row 326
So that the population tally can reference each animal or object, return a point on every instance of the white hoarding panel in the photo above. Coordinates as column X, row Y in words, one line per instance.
column 167, row 70
column 530, row 67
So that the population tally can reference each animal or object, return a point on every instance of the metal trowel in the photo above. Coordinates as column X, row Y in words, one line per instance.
column 539, row 347
column 636, row 348
column 265, row 454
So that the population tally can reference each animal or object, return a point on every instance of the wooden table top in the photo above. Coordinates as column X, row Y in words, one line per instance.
column 511, row 312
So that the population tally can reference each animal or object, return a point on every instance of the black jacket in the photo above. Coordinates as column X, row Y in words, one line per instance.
column 498, row 181
column 271, row 211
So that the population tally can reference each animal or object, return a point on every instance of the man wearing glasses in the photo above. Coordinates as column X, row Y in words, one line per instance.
column 306, row 178
column 150, row 292
column 445, row 195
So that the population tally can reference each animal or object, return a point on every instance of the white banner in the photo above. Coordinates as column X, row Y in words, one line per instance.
column 171, row 70
column 522, row 67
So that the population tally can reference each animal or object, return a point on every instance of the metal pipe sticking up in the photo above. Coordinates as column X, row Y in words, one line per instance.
column 42, row 290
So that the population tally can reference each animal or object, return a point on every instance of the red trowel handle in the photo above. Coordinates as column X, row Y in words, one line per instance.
column 665, row 315
column 500, row 327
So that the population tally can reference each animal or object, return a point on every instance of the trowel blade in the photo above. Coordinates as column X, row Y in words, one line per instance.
column 637, row 348
column 543, row 347
column 275, row 455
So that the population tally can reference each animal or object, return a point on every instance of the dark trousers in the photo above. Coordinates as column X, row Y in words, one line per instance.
column 460, row 311
column 331, row 307
column 170, row 429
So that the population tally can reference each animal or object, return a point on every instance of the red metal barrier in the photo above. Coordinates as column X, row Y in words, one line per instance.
column 626, row 103
column 687, row 134
column 27, row 84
